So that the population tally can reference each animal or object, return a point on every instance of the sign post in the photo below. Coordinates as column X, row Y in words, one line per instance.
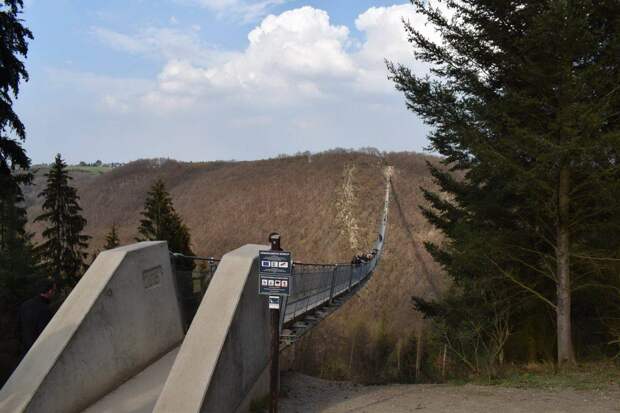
column 275, row 281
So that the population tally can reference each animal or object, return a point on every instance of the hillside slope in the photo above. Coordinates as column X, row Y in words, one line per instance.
column 326, row 207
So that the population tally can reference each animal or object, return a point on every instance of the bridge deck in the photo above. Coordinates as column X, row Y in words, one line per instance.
column 138, row 394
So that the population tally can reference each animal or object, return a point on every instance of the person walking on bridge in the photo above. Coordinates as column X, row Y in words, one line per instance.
column 35, row 313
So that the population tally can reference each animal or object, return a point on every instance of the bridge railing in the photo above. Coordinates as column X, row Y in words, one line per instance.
column 314, row 285
column 192, row 276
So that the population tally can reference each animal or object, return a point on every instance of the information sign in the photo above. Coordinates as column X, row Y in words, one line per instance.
column 274, row 302
column 275, row 273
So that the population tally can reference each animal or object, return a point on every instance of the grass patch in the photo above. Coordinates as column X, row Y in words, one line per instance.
column 96, row 170
column 588, row 376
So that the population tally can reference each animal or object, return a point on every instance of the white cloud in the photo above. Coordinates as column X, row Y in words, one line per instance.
column 385, row 36
column 292, row 57
column 302, row 82
column 301, row 42
column 244, row 10
column 387, row 39
column 163, row 43
column 295, row 55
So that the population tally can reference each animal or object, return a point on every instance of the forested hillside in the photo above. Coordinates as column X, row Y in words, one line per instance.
column 326, row 207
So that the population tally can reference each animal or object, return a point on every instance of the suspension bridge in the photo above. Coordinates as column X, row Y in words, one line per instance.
column 140, row 334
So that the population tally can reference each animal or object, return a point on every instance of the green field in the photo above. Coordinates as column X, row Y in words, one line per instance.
column 96, row 170
column 586, row 376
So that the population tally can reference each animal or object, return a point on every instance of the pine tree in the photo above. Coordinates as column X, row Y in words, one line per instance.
column 524, row 104
column 111, row 239
column 16, row 258
column 12, row 218
column 13, row 45
column 162, row 223
column 64, row 250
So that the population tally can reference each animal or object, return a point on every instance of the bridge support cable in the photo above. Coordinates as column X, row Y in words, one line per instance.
column 416, row 247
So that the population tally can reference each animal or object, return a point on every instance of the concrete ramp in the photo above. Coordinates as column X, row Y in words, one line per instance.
column 138, row 394
column 121, row 318
column 117, row 345
column 223, row 362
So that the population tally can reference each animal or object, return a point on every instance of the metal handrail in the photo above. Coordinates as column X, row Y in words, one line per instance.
column 193, row 257
column 192, row 283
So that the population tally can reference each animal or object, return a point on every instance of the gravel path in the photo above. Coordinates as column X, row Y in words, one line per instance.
column 306, row 394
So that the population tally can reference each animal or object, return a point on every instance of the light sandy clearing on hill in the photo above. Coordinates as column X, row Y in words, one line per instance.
column 309, row 395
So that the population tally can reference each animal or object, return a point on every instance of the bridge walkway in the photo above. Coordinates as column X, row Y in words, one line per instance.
column 138, row 394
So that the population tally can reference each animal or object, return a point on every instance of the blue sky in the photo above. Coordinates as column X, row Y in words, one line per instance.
column 214, row 79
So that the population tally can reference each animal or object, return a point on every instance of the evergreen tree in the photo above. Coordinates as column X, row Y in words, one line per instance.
column 16, row 255
column 111, row 239
column 162, row 223
column 64, row 250
column 13, row 45
column 524, row 102
column 12, row 219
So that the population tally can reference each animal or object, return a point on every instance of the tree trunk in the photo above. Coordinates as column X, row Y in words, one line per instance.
column 398, row 350
column 418, row 352
column 443, row 362
column 566, row 354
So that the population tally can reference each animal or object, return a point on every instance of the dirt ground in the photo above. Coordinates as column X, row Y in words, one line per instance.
column 309, row 395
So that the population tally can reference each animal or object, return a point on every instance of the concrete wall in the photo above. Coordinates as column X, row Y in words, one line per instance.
column 224, row 359
column 122, row 315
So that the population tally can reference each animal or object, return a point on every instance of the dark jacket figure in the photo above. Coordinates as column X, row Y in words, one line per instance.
column 274, row 241
column 34, row 314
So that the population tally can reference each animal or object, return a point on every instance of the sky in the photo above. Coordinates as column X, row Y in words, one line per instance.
column 201, row 80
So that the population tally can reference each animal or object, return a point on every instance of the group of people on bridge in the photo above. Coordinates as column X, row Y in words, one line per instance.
column 362, row 258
